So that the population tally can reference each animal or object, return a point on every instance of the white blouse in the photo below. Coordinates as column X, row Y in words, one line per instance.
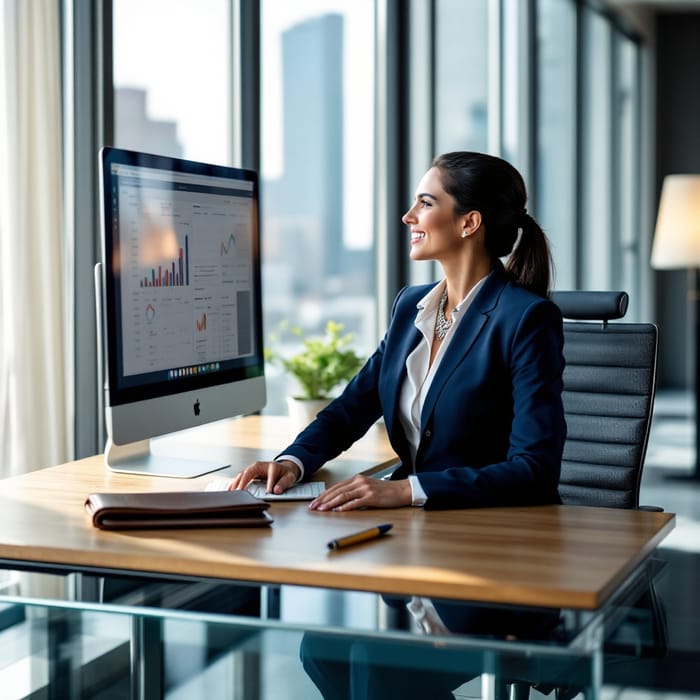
column 420, row 373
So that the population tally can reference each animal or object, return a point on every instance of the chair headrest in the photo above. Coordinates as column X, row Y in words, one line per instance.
column 591, row 306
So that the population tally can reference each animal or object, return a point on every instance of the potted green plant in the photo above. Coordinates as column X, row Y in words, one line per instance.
column 320, row 366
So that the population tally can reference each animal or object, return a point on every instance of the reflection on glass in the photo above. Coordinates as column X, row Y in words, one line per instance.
column 317, row 145
column 461, row 75
column 556, row 133
column 171, row 68
column 70, row 651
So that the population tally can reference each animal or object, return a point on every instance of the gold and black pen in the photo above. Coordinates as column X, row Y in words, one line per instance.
column 358, row 537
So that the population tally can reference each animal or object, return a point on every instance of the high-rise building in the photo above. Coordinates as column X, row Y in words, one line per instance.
column 305, row 205
column 136, row 130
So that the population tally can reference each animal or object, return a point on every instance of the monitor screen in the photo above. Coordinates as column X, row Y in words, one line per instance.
column 182, row 315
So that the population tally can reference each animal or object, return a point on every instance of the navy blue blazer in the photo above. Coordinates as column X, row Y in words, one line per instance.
column 492, row 425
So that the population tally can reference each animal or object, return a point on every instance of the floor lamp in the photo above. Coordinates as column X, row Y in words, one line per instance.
column 677, row 246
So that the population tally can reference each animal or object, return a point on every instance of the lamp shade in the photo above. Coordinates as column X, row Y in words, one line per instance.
column 677, row 235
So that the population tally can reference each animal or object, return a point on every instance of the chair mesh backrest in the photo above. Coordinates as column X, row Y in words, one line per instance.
column 609, row 387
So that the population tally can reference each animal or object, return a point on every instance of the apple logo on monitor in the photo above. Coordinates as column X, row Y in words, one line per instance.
column 196, row 407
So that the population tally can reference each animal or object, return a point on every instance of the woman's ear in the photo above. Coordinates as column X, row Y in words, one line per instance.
column 471, row 223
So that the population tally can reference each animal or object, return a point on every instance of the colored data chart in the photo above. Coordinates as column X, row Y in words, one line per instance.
column 201, row 323
column 227, row 246
column 173, row 274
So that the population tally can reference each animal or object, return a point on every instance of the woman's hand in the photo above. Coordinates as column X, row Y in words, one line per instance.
column 279, row 476
column 364, row 492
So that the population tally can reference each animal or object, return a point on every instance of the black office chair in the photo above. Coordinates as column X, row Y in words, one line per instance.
column 609, row 390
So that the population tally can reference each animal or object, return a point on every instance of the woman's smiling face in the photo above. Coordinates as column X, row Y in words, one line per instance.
column 433, row 222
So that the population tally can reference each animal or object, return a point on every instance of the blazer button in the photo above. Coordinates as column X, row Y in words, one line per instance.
column 428, row 433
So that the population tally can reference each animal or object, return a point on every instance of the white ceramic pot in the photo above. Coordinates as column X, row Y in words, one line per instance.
column 303, row 411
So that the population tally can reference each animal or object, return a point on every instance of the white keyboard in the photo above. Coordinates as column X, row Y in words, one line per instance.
column 299, row 492
column 220, row 483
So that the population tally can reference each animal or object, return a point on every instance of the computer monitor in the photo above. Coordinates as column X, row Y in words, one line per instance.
column 181, row 304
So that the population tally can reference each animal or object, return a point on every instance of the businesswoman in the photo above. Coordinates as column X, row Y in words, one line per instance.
column 468, row 379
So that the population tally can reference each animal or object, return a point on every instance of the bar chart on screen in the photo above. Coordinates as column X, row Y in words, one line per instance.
column 175, row 273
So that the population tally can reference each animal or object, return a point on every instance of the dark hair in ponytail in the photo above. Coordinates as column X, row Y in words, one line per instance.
column 493, row 187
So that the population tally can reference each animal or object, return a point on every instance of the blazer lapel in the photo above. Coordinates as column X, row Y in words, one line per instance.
column 465, row 336
column 397, row 362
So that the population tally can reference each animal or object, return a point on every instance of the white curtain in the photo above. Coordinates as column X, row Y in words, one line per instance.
column 34, row 371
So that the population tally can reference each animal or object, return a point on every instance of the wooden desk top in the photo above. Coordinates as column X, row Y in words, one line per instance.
column 562, row 556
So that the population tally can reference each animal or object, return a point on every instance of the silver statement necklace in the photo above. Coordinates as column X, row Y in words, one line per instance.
column 442, row 325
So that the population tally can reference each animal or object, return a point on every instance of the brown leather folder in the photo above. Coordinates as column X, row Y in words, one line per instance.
column 176, row 509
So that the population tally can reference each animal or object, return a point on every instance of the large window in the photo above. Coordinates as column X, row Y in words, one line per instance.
column 171, row 78
column 555, row 188
column 317, row 170
column 628, row 260
column 172, row 94
column 595, row 219
column 510, row 84
column 550, row 84
column 4, row 193
column 461, row 75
